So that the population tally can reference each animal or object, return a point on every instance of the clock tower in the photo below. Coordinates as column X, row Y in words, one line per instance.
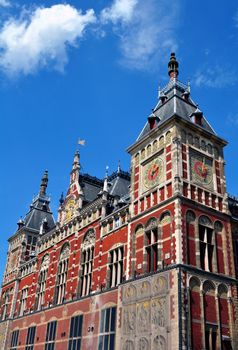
column 178, row 184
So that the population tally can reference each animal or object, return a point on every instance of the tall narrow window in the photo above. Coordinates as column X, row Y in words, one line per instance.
column 211, row 337
column 62, row 274
column 116, row 266
column 206, row 244
column 42, row 282
column 75, row 334
column 14, row 340
column 30, row 340
column 87, row 251
column 151, row 246
column 107, row 329
column 50, row 335
column 5, row 303
column 23, row 299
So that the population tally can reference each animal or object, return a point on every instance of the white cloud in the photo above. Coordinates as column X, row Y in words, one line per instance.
column 5, row 3
column 232, row 120
column 121, row 10
column 146, row 30
column 40, row 38
column 215, row 77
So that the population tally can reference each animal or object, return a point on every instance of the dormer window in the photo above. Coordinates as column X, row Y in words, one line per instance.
column 197, row 117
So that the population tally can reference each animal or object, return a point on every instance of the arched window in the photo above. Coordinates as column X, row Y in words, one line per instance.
column 168, row 137
column 155, row 145
column 23, row 299
column 195, row 312
column 161, row 141
column 87, row 254
column 190, row 234
column 196, row 142
column 151, row 245
column 116, row 266
column 40, row 291
column 5, row 303
column 62, row 274
column 206, row 243
column 211, row 328
column 148, row 150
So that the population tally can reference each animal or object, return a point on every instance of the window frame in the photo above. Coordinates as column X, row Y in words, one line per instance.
column 107, row 329
column 116, row 257
column 50, row 335
column 14, row 339
column 75, row 338
column 30, row 339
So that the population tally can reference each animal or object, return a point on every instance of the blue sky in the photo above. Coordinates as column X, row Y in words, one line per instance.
column 91, row 69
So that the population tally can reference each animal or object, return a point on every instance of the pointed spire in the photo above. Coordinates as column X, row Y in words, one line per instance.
column 159, row 90
column 61, row 200
column 105, row 184
column 75, row 168
column 173, row 67
column 44, row 183
column 76, row 164
column 119, row 167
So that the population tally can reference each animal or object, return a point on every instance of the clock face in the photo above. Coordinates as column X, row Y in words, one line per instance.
column 152, row 173
column 201, row 169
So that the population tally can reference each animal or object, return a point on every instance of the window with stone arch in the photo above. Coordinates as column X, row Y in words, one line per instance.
column 87, row 254
column 195, row 310
column 206, row 244
column 5, row 304
column 61, row 278
column 222, row 292
column 137, row 249
column 151, row 243
column 116, row 256
column 40, row 291
column 165, row 233
column 210, row 316
column 191, row 239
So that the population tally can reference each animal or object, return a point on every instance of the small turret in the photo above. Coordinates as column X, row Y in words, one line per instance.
column 44, row 183
column 173, row 67
column 20, row 223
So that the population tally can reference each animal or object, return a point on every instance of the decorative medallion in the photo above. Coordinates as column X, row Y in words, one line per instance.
column 153, row 173
column 201, row 169
column 70, row 208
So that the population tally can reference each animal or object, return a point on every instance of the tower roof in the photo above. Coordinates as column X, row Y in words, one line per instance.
column 175, row 100
column 40, row 209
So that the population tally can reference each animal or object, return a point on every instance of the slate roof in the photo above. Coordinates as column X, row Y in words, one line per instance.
column 120, row 182
column 39, row 211
column 92, row 186
column 233, row 206
column 175, row 103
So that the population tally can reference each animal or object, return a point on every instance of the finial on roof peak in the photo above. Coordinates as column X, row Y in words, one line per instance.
column 61, row 200
column 173, row 66
column 119, row 167
column 44, row 183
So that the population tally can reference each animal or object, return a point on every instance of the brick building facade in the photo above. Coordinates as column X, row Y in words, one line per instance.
column 140, row 260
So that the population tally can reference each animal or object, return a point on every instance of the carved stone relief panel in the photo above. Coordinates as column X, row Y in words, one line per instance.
column 129, row 320
column 129, row 345
column 129, row 293
column 145, row 314
column 144, row 290
column 159, row 343
column 159, row 285
column 143, row 317
column 143, row 344
column 159, row 313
